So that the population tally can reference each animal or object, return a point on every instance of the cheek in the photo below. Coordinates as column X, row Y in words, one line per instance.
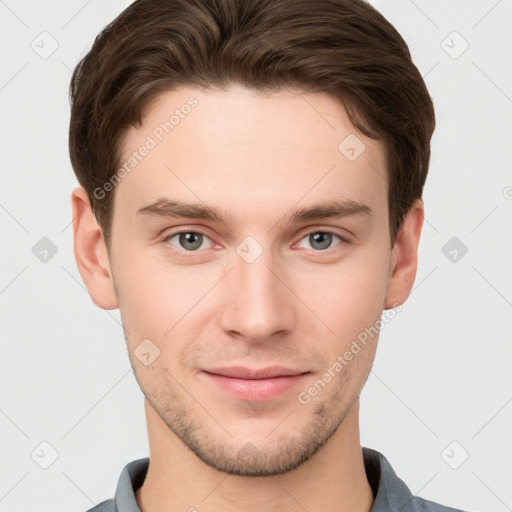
column 158, row 298
column 351, row 296
column 156, row 294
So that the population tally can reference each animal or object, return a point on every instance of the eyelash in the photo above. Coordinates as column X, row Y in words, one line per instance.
column 192, row 253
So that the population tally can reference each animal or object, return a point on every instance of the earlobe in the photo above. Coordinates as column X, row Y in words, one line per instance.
column 404, row 257
column 91, row 253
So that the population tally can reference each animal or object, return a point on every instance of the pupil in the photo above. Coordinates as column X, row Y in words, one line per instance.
column 188, row 238
column 324, row 240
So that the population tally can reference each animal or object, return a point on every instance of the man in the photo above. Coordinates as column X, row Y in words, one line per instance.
column 251, row 177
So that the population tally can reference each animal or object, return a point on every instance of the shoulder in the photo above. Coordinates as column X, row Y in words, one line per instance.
column 390, row 492
column 423, row 505
column 104, row 506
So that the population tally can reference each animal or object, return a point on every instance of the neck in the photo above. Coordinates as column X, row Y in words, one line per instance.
column 334, row 478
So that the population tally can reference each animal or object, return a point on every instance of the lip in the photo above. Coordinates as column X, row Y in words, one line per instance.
column 242, row 372
column 255, row 384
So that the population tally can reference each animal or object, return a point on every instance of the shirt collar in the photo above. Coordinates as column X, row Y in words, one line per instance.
column 390, row 493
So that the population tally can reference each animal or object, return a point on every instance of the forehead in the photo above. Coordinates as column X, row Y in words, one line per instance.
column 251, row 149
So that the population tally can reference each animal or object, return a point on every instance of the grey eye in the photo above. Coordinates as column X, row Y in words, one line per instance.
column 320, row 240
column 188, row 240
column 191, row 240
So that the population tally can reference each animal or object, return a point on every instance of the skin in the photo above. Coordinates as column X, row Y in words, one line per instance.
column 257, row 157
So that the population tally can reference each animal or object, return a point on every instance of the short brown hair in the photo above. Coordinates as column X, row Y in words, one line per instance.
column 345, row 48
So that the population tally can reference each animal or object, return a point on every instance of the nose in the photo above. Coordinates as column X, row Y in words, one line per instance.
column 258, row 304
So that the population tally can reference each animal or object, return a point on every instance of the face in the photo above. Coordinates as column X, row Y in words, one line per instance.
column 225, row 254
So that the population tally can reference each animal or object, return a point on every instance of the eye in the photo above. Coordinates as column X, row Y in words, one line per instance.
column 189, row 241
column 321, row 240
column 193, row 241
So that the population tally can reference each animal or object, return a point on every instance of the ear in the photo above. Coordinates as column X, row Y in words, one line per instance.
column 404, row 257
column 91, row 252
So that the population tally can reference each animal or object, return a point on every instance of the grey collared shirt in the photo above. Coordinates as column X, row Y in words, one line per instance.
column 390, row 493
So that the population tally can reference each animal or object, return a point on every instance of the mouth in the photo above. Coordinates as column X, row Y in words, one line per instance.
column 255, row 384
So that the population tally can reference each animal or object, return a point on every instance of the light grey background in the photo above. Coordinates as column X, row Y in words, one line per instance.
column 441, row 384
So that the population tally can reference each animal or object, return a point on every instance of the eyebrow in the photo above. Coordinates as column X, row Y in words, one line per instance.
column 178, row 209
